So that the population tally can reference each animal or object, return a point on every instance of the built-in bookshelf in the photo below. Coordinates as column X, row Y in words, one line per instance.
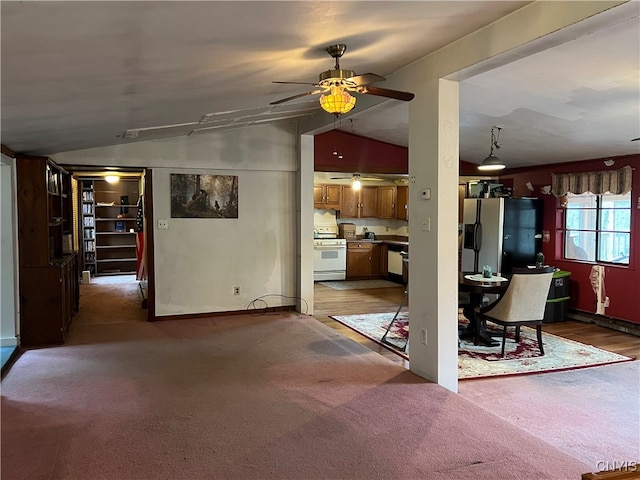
column 115, row 225
column 88, row 227
column 48, row 267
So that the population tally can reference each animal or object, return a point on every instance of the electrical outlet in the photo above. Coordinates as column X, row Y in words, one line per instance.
column 236, row 290
column 426, row 224
column 423, row 336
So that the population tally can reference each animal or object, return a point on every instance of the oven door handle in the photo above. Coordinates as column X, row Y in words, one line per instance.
column 330, row 247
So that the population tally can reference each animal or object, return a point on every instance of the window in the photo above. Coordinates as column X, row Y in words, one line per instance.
column 598, row 228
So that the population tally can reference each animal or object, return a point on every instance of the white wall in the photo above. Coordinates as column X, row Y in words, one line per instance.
column 7, row 259
column 207, row 257
column 198, row 261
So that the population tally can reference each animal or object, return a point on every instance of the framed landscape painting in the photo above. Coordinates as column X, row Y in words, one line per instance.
column 204, row 196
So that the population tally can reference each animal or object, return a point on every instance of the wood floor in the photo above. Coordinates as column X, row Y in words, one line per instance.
column 329, row 301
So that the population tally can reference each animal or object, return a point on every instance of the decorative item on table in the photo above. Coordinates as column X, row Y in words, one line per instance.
column 487, row 271
column 119, row 226
column 539, row 260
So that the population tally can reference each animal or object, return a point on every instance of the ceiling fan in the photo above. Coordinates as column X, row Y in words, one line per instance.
column 335, row 85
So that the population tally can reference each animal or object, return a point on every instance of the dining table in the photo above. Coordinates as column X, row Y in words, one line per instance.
column 477, row 286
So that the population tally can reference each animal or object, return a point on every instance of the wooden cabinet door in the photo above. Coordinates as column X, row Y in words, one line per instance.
column 318, row 196
column 327, row 196
column 387, row 202
column 359, row 260
column 379, row 260
column 368, row 202
column 332, row 196
column 402, row 203
column 350, row 203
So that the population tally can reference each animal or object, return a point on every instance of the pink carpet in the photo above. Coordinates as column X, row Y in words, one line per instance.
column 595, row 412
column 247, row 397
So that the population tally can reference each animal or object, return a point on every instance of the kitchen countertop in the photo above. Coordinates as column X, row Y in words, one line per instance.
column 388, row 239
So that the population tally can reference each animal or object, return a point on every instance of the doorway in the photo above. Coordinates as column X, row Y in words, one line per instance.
column 110, row 218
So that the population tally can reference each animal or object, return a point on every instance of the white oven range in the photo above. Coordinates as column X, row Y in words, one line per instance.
column 329, row 254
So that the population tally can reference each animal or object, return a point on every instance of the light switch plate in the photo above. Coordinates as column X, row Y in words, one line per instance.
column 163, row 224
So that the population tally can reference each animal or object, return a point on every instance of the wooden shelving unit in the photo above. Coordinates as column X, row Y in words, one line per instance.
column 49, row 293
column 88, row 227
column 115, row 222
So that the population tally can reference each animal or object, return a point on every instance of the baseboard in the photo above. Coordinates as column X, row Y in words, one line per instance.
column 8, row 342
column 187, row 316
column 608, row 322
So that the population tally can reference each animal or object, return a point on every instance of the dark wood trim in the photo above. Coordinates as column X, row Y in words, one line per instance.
column 632, row 472
column 149, row 250
column 350, row 169
column 257, row 311
column 7, row 151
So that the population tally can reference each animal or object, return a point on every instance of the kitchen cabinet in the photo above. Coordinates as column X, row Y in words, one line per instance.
column 327, row 196
column 366, row 260
column 361, row 203
column 386, row 202
column 48, row 273
column 402, row 202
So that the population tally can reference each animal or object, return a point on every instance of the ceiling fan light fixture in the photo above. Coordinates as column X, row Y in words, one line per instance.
column 337, row 101
column 356, row 182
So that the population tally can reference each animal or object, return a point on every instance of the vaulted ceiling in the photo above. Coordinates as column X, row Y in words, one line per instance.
column 77, row 75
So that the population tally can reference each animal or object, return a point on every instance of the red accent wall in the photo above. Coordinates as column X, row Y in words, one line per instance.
column 622, row 283
column 360, row 154
column 365, row 155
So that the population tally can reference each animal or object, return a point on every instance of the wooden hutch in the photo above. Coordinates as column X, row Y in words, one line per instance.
column 48, row 267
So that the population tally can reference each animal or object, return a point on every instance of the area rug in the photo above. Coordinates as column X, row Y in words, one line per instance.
column 479, row 361
column 359, row 284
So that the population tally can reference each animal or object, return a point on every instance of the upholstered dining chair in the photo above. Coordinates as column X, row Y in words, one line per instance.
column 523, row 303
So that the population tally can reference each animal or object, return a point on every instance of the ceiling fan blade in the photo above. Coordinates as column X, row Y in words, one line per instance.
column 366, row 79
column 298, row 83
column 635, row 139
column 313, row 92
column 385, row 92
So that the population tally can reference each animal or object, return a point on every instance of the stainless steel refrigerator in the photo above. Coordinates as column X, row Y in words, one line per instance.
column 501, row 232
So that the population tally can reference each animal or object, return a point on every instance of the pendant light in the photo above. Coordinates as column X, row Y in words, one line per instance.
column 492, row 162
column 356, row 184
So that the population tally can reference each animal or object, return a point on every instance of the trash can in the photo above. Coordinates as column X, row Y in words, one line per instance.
column 558, row 298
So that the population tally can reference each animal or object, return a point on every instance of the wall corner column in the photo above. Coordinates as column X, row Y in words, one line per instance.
column 433, row 231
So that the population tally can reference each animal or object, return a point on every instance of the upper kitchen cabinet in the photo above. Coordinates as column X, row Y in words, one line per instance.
column 402, row 203
column 361, row 203
column 387, row 202
column 327, row 196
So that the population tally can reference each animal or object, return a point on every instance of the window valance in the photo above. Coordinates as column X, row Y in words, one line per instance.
column 612, row 181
